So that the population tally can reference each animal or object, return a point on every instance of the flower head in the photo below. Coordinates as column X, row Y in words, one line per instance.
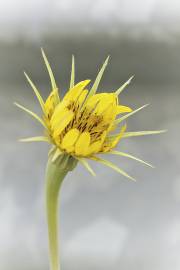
column 82, row 123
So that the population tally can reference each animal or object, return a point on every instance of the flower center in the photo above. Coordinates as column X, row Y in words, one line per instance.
column 86, row 120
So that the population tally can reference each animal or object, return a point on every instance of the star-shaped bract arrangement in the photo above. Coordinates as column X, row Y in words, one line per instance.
column 84, row 123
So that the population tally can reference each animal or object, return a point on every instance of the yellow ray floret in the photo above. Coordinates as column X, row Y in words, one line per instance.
column 81, row 123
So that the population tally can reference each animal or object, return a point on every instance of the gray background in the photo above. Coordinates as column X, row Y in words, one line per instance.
column 107, row 222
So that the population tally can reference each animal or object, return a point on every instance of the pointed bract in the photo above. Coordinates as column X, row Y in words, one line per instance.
column 53, row 82
column 112, row 166
column 122, row 118
column 80, row 126
column 56, row 154
column 123, row 86
column 41, row 102
column 131, row 157
column 98, row 79
column 86, row 165
column 72, row 80
column 142, row 133
column 35, row 139
column 31, row 113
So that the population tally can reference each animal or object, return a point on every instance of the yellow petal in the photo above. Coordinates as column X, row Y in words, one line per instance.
column 112, row 140
column 109, row 114
column 103, row 104
column 75, row 92
column 56, row 120
column 70, row 138
column 51, row 102
column 112, row 127
column 63, row 122
column 106, row 105
column 95, row 147
column 82, row 144
column 120, row 135
column 82, row 96
column 58, row 111
column 122, row 109
column 105, row 99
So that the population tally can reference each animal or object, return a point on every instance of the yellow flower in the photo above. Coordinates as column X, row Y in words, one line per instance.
column 81, row 124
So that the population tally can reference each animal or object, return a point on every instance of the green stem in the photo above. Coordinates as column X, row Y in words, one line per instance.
column 54, row 177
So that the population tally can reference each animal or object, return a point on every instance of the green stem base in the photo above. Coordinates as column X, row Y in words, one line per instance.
column 55, row 173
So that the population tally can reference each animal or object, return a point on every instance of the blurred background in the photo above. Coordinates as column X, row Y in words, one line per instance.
column 107, row 222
